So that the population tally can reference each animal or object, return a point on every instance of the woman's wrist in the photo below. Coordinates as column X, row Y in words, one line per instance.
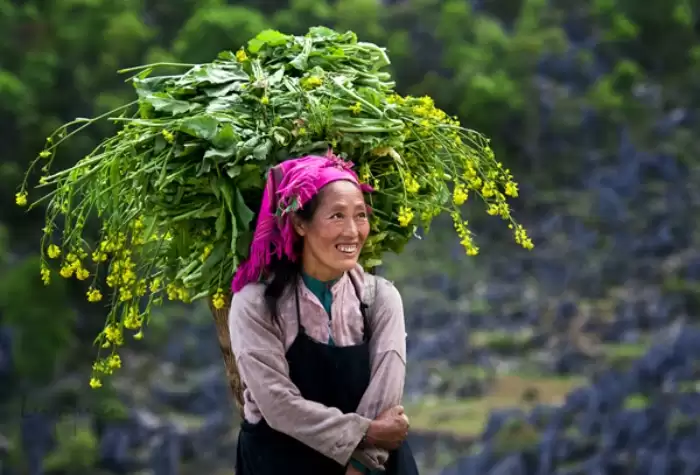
column 369, row 437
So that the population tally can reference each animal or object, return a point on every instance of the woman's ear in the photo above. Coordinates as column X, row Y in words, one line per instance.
column 299, row 226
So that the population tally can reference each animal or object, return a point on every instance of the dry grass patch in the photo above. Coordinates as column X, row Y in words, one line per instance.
column 468, row 417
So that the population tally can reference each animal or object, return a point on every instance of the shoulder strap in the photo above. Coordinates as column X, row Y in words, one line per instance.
column 370, row 292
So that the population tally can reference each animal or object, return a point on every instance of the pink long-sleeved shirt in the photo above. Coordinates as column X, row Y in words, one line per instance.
column 260, row 346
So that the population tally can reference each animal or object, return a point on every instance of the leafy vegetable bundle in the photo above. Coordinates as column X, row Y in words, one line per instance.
column 176, row 187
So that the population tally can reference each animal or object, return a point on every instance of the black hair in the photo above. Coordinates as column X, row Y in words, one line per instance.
column 285, row 272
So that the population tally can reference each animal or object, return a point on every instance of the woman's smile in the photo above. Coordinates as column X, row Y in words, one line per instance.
column 348, row 250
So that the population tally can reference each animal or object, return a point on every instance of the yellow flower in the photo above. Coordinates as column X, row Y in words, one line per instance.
column 125, row 294
column 168, row 136
column 99, row 256
column 265, row 100
column 466, row 239
column 95, row 383
column 460, row 195
column 183, row 295
column 138, row 335
column 114, row 362
column 241, row 56
column 219, row 301
column 356, row 108
column 511, row 189
column 82, row 273
column 114, row 335
column 66, row 271
column 45, row 276
column 21, row 198
column 522, row 238
column 155, row 285
column 488, row 189
column 311, row 82
column 405, row 216
column 141, row 288
column 53, row 251
column 94, row 295
column 207, row 250
column 412, row 185
column 171, row 289
column 133, row 320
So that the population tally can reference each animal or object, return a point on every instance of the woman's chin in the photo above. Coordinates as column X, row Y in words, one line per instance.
column 344, row 265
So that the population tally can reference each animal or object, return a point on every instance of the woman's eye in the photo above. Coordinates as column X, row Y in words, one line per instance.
column 337, row 216
column 362, row 215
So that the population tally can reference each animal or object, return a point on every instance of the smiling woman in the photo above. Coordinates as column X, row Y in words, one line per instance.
column 323, row 370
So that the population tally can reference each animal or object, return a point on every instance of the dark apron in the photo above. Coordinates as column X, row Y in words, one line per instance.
column 335, row 376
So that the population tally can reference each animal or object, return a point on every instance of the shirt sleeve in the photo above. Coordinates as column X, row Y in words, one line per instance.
column 258, row 346
column 388, row 357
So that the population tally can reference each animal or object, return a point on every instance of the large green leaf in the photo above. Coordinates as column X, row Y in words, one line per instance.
column 200, row 126
column 245, row 215
column 267, row 37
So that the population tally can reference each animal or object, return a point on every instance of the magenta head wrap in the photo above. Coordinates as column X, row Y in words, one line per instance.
column 290, row 185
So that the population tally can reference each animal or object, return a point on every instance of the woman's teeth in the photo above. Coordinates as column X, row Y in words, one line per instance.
column 351, row 249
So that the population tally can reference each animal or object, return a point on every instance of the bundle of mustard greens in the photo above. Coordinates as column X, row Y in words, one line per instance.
column 176, row 187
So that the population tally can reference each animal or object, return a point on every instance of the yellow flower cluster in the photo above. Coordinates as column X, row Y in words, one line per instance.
column 105, row 366
column 405, row 216
column 73, row 265
column 94, row 295
column 45, row 274
column 168, row 136
column 21, row 198
column 434, row 141
column 311, row 82
column 219, row 300
column 206, row 252
column 133, row 319
column 412, row 185
column 465, row 236
column 459, row 196
column 177, row 292
column 241, row 55
column 522, row 238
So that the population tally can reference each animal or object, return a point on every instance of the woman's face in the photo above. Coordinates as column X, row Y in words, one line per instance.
column 336, row 233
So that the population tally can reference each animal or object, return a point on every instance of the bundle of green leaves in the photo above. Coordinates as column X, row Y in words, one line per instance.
column 177, row 186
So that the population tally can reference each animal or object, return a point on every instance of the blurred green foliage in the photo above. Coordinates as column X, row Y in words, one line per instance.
column 41, row 317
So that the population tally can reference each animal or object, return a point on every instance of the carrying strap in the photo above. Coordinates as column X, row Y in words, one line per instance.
column 368, row 297
column 369, row 294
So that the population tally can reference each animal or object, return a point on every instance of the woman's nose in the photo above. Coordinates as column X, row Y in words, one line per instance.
column 350, row 228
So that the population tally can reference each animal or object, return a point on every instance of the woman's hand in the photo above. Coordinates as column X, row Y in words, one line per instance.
column 389, row 429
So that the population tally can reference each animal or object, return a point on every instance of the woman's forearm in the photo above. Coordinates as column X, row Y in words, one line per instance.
column 385, row 391
column 388, row 360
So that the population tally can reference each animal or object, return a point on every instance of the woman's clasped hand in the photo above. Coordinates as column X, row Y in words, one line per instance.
column 389, row 429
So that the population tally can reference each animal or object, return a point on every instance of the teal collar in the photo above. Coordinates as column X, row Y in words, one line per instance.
column 316, row 286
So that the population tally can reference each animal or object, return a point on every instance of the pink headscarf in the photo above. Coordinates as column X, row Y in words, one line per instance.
column 290, row 185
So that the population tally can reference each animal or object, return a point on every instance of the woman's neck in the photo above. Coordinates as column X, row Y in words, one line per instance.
column 318, row 274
